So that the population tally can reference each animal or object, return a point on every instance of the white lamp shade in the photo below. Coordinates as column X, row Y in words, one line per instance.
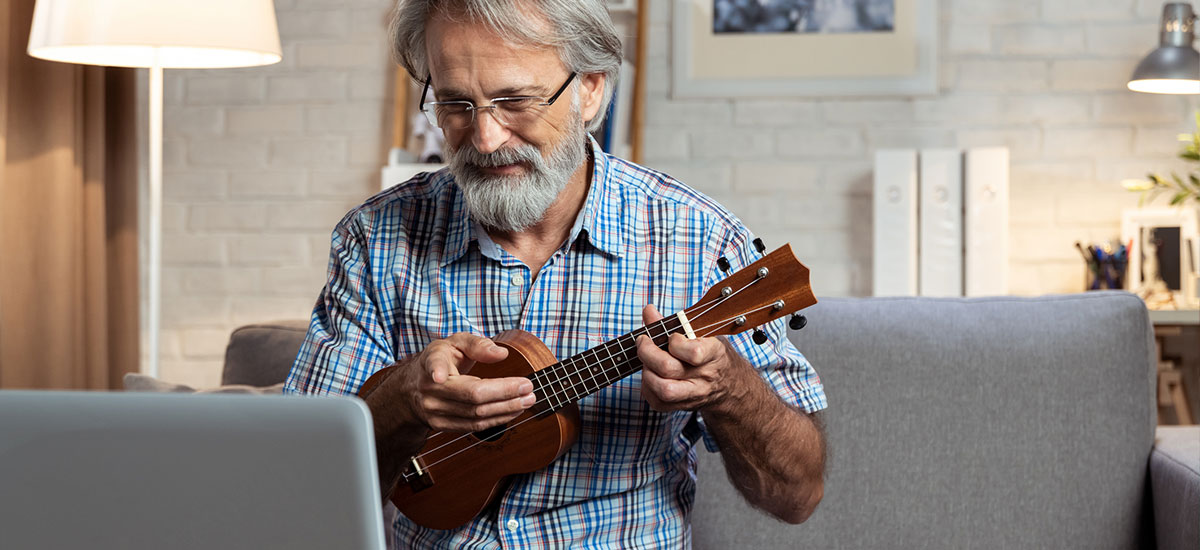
column 179, row 34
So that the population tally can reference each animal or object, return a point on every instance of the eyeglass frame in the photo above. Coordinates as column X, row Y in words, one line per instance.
column 431, row 115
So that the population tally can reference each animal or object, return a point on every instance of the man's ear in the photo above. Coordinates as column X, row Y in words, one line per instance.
column 591, row 92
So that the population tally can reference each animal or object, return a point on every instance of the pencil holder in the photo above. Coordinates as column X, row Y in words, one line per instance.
column 1105, row 274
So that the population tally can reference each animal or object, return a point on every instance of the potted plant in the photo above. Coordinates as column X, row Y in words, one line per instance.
column 1184, row 190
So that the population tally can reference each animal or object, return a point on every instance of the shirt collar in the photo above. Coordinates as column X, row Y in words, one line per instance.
column 599, row 219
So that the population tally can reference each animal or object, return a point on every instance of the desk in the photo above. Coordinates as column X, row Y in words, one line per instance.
column 1172, row 389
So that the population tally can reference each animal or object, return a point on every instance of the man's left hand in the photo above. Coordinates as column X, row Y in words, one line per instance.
column 690, row 375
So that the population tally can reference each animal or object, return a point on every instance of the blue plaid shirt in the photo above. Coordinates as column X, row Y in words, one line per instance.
column 410, row 266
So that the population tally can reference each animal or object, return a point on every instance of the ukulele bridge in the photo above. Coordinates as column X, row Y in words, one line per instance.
column 418, row 478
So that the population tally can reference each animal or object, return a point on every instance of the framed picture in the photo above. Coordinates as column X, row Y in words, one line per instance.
column 1164, row 245
column 779, row 48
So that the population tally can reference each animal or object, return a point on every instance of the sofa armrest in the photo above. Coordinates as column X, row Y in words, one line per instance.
column 1175, row 486
column 262, row 354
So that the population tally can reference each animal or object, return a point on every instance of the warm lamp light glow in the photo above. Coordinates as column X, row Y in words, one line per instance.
column 175, row 57
column 172, row 34
column 1165, row 86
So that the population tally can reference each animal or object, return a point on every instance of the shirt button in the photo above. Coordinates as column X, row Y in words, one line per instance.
column 517, row 280
column 512, row 525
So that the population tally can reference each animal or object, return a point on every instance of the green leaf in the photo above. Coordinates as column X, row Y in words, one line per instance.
column 1178, row 198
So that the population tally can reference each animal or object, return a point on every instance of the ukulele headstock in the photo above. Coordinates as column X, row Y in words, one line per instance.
column 772, row 287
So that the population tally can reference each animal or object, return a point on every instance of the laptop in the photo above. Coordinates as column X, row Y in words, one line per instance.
column 140, row 470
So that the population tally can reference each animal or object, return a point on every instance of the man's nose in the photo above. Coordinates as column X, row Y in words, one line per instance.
column 487, row 134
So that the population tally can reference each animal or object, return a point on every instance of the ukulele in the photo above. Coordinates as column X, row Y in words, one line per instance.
column 456, row 475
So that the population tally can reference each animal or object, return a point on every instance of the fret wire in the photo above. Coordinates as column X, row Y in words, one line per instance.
column 572, row 377
column 610, row 357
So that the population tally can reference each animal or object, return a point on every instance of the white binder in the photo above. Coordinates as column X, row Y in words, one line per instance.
column 895, row 244
column 941, row 223
column 986, row 222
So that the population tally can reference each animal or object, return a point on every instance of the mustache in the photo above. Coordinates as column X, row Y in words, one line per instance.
column 468, row 156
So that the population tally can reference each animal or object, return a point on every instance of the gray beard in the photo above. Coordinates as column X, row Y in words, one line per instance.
column 516, row 203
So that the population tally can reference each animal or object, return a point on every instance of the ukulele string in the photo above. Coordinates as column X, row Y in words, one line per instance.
column 560, row 376
column 714, row 326
column 724, row 298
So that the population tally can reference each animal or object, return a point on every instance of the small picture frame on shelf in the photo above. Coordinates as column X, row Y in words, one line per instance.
column 1164, row 255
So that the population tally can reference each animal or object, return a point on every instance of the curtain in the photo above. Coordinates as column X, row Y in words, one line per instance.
column 68, row 218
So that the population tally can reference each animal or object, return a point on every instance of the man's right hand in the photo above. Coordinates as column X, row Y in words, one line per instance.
column 431, row 390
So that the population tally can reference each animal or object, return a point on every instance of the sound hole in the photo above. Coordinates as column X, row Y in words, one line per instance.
column 491, row 434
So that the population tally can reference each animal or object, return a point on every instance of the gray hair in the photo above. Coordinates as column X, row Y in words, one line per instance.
column 580, row 30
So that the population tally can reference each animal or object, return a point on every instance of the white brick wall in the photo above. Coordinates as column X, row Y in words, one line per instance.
column 261, row 162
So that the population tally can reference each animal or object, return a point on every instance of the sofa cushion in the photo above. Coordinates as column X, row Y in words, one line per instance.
column 262, row 354
column 968, row 423
column 1175, row 484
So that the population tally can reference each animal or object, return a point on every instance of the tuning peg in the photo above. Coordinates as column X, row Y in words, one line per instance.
column 758, row 245
column 797, row 321
column 760, row 337
column 723, row 263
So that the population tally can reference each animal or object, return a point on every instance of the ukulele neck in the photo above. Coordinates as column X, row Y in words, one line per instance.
column 590, row 371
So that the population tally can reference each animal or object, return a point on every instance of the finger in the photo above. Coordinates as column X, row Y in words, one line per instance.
column 479, row 391
column 695, row 353
column 440, row 361
column 650, row 314
column 664, row 394
column 457, row 411
column 456, row 423
column 478, row 348
column 455, row 354
column 655, row 359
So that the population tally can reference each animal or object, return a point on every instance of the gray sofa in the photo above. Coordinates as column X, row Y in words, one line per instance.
column 953, row 423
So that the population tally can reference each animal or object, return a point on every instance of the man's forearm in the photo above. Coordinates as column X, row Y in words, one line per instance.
column 773, row 453
column 396, row 438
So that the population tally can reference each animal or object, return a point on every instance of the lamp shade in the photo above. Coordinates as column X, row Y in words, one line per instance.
column 172, row 34
column 1173, row 67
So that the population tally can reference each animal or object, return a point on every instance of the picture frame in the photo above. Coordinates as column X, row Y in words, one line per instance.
column 1176, row 232
column 621, row 5
column 706, row 64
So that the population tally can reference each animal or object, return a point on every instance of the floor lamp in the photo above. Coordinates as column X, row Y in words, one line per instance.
column 156, row 34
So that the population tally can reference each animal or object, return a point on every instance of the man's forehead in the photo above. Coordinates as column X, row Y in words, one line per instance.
column 471, row 57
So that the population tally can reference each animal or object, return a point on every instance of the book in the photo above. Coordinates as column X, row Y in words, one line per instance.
column 895, row 219
column 940, row 230
column 985, row 224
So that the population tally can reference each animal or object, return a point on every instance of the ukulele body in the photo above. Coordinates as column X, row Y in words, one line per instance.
column 461, row 473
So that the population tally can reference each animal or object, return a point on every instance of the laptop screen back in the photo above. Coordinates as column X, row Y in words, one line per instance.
column 133, row 470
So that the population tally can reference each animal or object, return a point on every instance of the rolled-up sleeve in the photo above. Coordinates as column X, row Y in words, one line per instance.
column 346, row 341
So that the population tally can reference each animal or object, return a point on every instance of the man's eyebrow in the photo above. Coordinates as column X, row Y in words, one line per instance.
column 507, row 91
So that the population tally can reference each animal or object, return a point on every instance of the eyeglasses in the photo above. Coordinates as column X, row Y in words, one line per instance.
column 508, row 111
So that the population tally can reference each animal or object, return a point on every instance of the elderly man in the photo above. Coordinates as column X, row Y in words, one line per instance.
column 534, row 227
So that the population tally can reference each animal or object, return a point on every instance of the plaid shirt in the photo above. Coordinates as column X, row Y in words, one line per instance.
column 410, row 266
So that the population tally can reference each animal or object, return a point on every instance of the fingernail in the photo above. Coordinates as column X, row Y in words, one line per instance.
column 526, row 387
column 528, row 400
